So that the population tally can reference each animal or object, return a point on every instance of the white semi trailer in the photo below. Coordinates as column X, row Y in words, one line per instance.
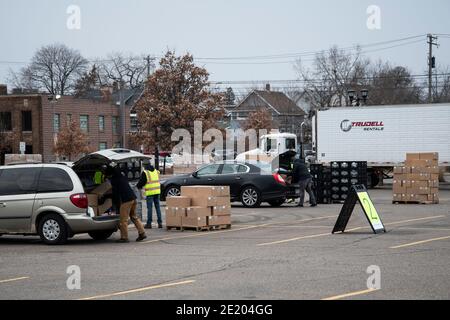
column 381, row 135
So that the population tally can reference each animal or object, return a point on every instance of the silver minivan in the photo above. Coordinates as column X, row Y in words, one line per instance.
column 50, row 199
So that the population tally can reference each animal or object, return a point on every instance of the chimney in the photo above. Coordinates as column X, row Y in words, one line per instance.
column 3, row 90
column 268, row 87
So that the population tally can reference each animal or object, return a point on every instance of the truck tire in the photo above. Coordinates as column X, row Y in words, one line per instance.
column 101, row 235
column 372, row 180
column 53, row 229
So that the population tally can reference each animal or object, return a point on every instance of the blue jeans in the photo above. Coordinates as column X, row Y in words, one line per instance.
column 150, row 201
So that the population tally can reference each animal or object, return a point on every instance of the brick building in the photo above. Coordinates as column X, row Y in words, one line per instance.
column 36, row 119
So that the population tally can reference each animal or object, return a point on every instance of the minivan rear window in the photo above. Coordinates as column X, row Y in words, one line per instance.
column 18, row 181
column 54, row 180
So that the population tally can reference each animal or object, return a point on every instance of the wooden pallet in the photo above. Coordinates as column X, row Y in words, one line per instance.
column 199, row 229
column 415, row 202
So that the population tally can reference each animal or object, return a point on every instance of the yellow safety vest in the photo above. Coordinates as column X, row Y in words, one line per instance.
column 99, row 178
column 152, row 187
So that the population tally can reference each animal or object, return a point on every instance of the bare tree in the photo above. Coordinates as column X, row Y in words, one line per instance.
column 333, row 73
column 130, row 69
column 442, row 87
column 53, row 68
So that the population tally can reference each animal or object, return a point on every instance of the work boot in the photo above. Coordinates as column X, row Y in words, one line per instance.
column 141, row 237
column 122, row 241
column 160, row 226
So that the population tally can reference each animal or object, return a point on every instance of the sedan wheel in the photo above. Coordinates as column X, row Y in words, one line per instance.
column 173, row 192
column 250, row 197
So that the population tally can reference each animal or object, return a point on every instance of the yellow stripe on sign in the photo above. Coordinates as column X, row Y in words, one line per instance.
column 351, row 294
column 14, row 279
column 419, row 242
column 121, row 293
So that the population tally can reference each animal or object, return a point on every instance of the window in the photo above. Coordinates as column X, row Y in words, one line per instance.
column 115, row 125
column 209, row 170
column 271, row 144
column 117, row 145
column 102, row 146
column 233, row 169
column 69, row 118
column 101, row 123
column 5, row 121
column 54, row 180
column 133, row 122
column 28, row 149
column 290, row 144
column 18, row 181
column 26, row 121
column 56, row 122
column 84, row 123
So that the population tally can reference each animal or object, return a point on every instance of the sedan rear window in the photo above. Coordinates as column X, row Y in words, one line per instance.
column 54, row 180
column 18, row 181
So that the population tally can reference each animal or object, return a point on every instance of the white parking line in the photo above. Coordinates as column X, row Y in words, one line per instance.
column 14, row 279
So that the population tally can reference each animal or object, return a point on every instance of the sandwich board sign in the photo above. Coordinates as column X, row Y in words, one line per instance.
column 359, row 194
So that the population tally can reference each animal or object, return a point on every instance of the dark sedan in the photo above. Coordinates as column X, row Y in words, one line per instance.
column 250, row 183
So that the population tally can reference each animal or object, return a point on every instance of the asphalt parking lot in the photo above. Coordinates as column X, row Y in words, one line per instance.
column 270, row 253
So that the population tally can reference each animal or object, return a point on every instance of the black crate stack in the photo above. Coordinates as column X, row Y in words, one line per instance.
column 344, row 174
column 321, row 177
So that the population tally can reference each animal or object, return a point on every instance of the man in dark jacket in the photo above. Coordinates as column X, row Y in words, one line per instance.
column 301, row 176
column 126, row 199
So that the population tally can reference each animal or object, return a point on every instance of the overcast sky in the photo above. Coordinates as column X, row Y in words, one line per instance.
column 224, row 28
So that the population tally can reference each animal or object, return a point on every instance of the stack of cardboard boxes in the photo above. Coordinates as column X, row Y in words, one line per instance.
column 199, row 208
column 98, row 193
column 418, row 180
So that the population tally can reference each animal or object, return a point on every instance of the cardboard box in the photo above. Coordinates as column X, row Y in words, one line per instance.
column 433, row 183
column 406, row 183
column 178, row 202
column 416, row 163
column 202, row 201
column 102, row 189
column 194, row 222
column 431, row 170
column 430, row 156
column 434, row 190
column 219, row 220
column 397, row 197
column 173, row 219
column 412, row 156
column 176, row 211
column 398, row 189
column 92, row 200
column 419, row 183
column 222, row 201
column 104, row 207
column 195, row 212
column 418, row 190
column 434, row 176
column 398, row 170
column 418, row 176
column 221, row 210
column 205, row 191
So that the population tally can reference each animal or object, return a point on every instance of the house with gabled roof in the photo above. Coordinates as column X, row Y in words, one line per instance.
column 286, row 114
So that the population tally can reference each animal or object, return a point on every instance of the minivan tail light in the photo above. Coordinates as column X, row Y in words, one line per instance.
column 79, row 200
column 278, row 178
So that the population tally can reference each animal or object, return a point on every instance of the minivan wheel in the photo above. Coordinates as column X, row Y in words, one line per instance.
column 53, row 229
column 101, row 235
column 251, row 197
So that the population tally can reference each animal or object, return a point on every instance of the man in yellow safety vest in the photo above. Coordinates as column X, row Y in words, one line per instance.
column 152, row 187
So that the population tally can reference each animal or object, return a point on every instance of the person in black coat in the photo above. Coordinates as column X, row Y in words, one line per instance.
column 301, row 176
column 125, row 197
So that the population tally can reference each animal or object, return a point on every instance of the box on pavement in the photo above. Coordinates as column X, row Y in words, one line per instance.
column 219, row 220
column 221, row 210
column 178, row 202
column 174, row 217
column 193, row 222
column 205, row 191
column 195, row 212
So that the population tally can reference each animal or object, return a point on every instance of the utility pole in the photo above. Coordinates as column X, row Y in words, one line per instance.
column 148, row 59
column 432, row 41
